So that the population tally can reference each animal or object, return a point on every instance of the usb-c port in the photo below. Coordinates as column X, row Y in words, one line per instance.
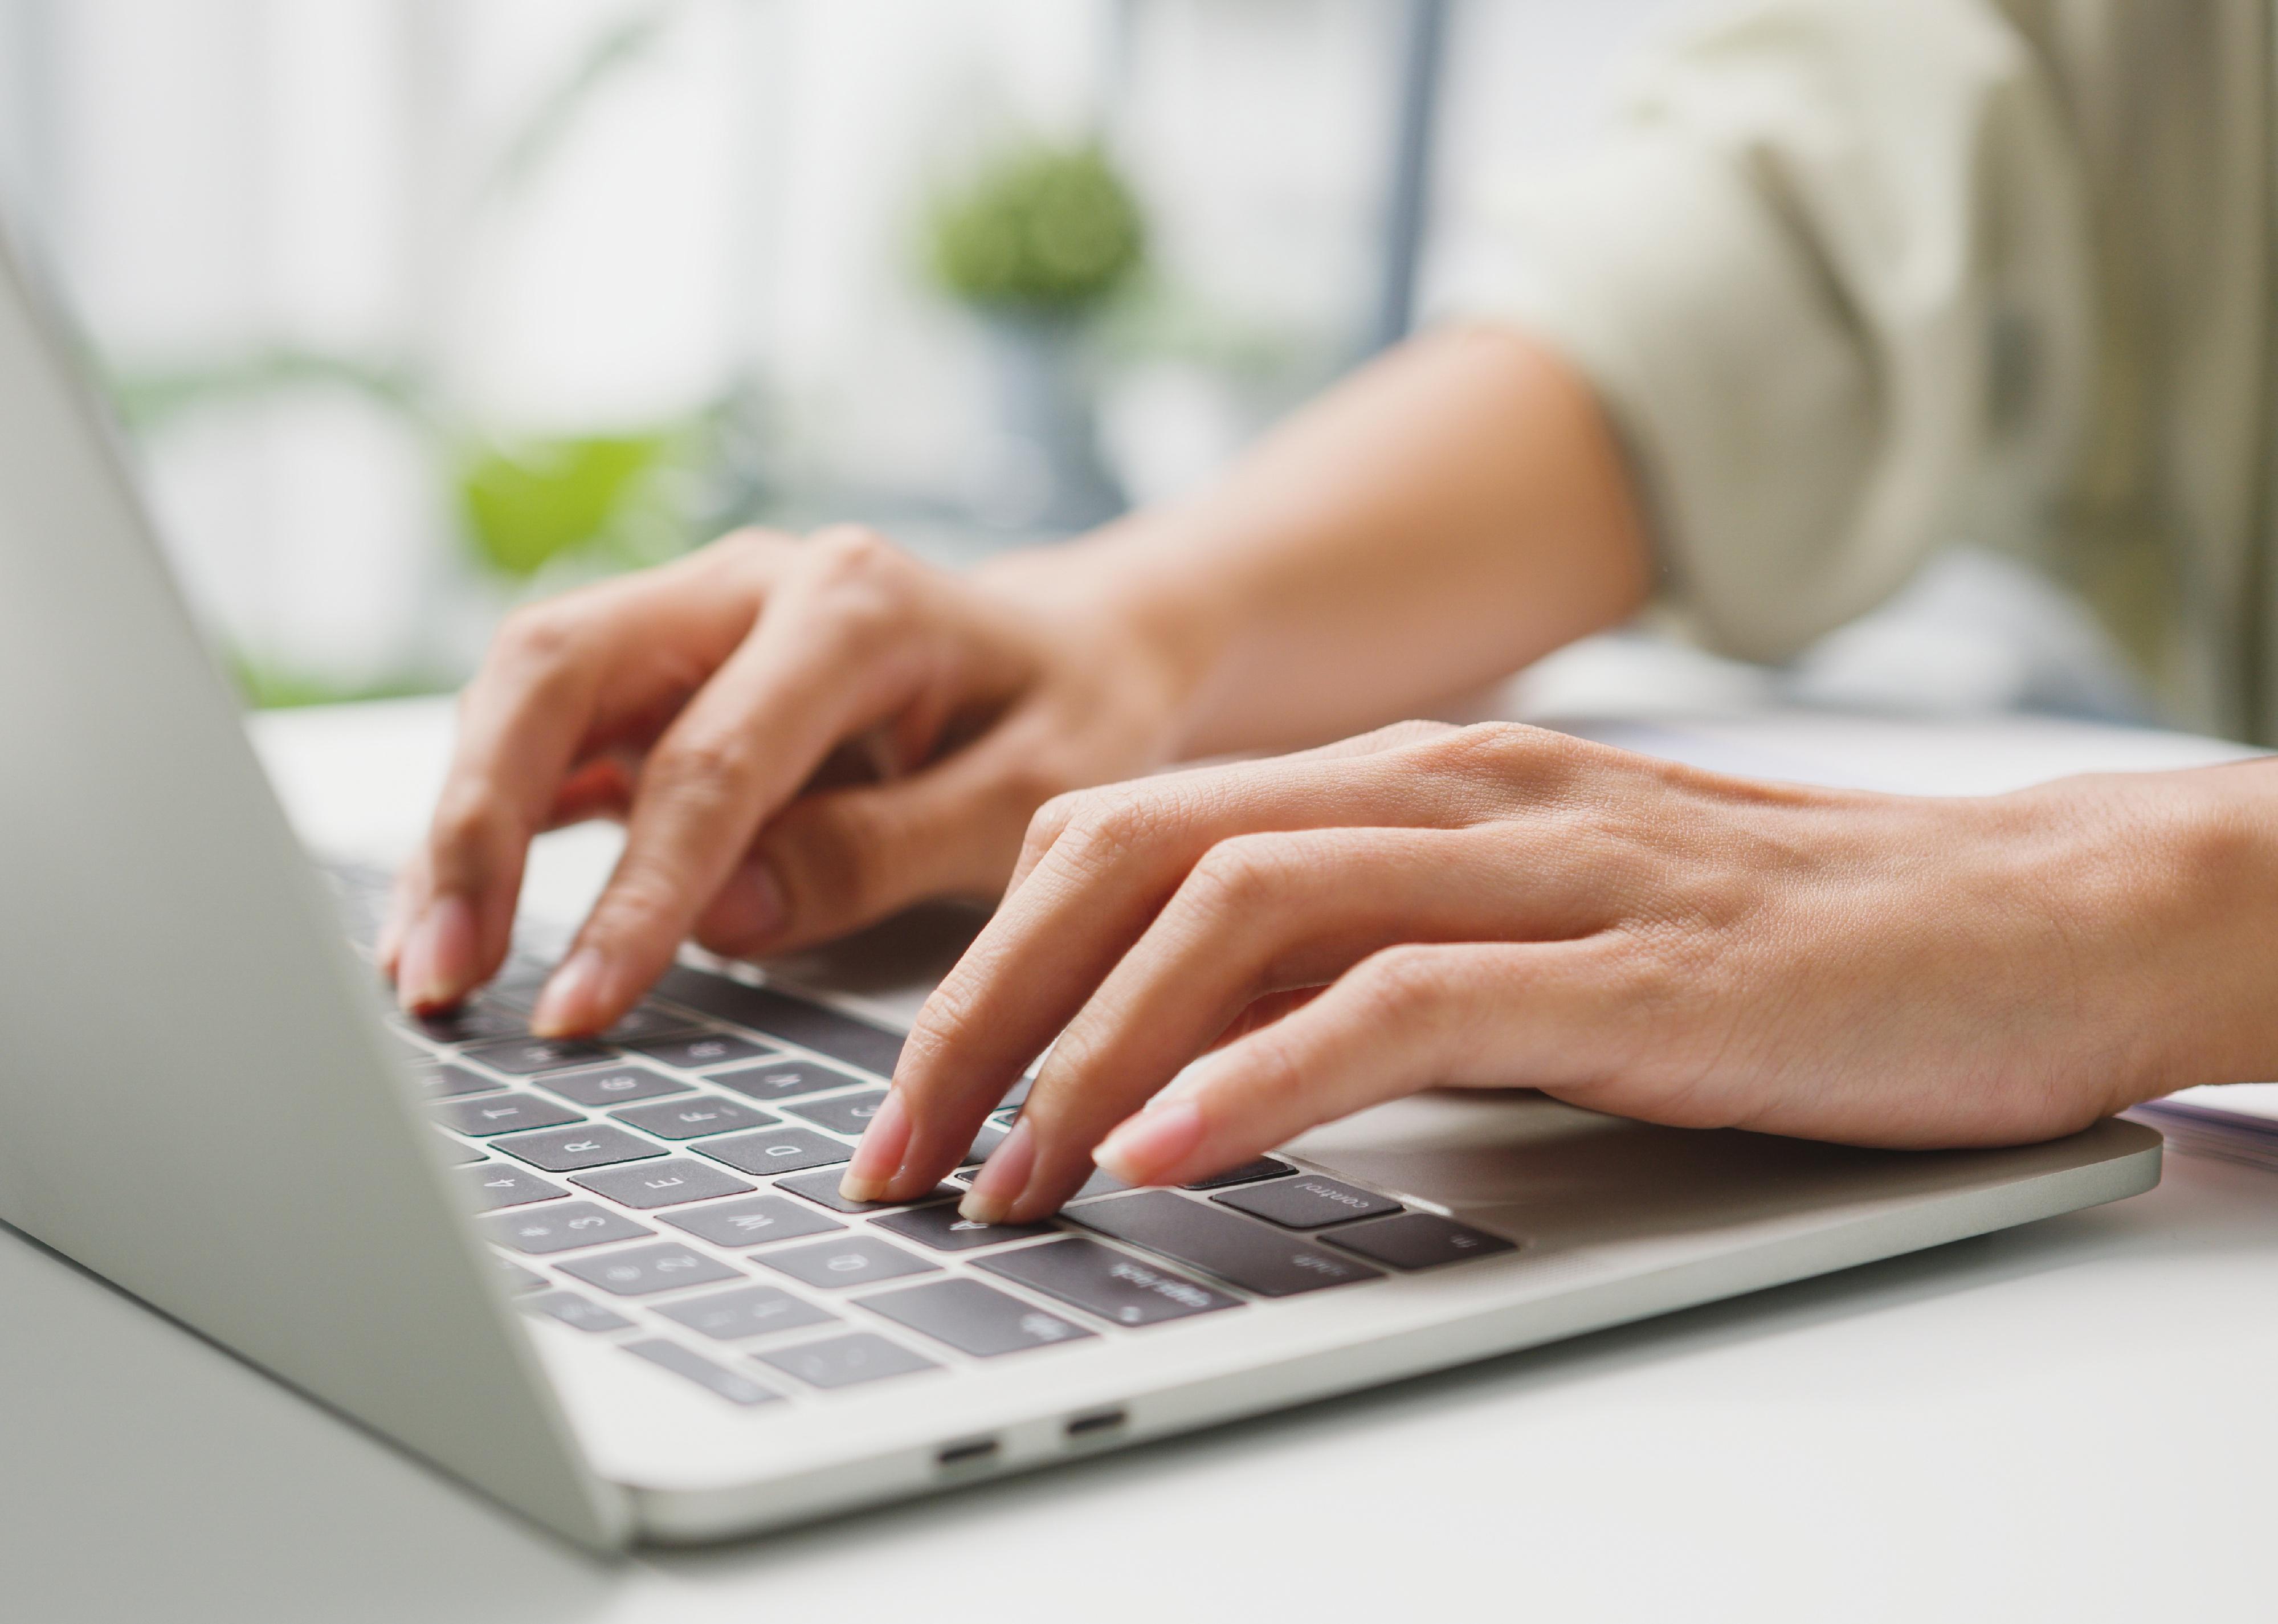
column 971, row 1453
column 1093, row 1425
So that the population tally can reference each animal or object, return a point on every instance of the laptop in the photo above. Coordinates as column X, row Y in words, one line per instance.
column 612, row 1284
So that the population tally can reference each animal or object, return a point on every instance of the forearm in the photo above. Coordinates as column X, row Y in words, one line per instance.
column 1445, row 516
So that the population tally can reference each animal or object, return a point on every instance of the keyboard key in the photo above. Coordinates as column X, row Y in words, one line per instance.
column 822, row 1189
column 731, row 1385
column 941, row 1230
column 755, row 1222
column 1419, row 1240
column 443, row 1082
column 778, row 1015
column 754, row 1311
column 494, row 1184
column 467, row 1023
column 1248, row 1173
column 566, row 1150
column 786, row 1150
column 458, row 1150
column 845, row 1114
column 844, row 1360
column 665, row 1266
column 479, row 1119
column 974, row 1317
column 579, row 1313
column 693, row 1053
column 518, row 1279
column 1236, row 1249
column 645, row 1185
column 1101, row 1182
column 646, row 1022
column 1309, row 1203
column 1118, row 1288
column 785, row 1079
column 528, row 1056
column 988, row 1139
column 559, row 1229
column 610, row 1085
column 693, row 1118
column 858, row 1260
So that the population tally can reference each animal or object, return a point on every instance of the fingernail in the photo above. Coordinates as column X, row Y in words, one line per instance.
column 879, row 1156
column 572, row 996
column 755, row 905
column 439, row 955
column 1002, row 1177
column 1153, row 1143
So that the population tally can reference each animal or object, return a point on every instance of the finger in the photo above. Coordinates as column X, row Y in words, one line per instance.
column 1117, row 857
column 848, row 640
column 560, row 678
column 835, row 861
column 1500, row 1015
column 1258, row 915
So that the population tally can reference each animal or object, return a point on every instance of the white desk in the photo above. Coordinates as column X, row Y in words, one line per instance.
column 2078, row 1420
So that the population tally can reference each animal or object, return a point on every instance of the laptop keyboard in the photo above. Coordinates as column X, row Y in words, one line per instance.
column 673, row 1187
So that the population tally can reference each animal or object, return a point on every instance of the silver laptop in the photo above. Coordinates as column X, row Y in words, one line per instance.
column 612, row 1283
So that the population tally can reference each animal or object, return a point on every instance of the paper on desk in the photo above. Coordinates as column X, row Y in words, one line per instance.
column 2237, row 1121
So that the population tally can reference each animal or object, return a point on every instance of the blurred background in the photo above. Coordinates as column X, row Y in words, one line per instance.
column 416, row 307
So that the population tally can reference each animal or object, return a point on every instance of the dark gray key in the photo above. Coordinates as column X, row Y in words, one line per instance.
column 988, row 1139
column 1248, row 1173
column 443, row 1082
column 467, row 1023
column 1419, row 1240
column 563, row 1227
column 778, row 1015
column 822, row 1189
column 693, row 1118
column 1101, row 1182
column 847, row 1113
column 458, row 1150
column 729, row 1384
column 974, row 1317
column 754, row 1311
column 611, row 1085
column 1238, row 1250
column 580, row 1312
column 941, row 1230
column 856, row 1259
column 535, row 1055
column 641, row 1270
column 843, row 1362
column 755, row 1222
column 479, row 1119
column 494, row 1184
column 646, row 1022
column 785, row 1079
column 1309, row 1203
column 786, row 1150
column 1118, row 1287
column 518, row 981
column 566, row 1150
column 518, row 1279
column 669, row 1182
column 695, row 1053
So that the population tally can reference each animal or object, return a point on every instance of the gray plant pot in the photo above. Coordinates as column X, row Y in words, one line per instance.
column 1045, row 473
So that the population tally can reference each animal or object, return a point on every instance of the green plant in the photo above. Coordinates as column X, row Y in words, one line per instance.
column 527, row 506
column 1043, row 228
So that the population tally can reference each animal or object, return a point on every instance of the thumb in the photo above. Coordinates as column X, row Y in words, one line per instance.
column 835, row 861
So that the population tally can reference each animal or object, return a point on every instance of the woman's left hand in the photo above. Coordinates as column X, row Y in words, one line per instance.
column 1504, row 907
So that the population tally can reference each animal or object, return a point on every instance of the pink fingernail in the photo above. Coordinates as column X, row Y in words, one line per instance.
column 573, row 995
column 439, row 955
column 1153, row 1143
column 751, row 909
column 879, row 1156
column 1002, row 1177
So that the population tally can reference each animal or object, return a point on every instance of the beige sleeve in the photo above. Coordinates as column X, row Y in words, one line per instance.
column 1829, row 273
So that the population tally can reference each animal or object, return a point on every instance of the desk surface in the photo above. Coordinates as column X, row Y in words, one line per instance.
column 2066, row 1420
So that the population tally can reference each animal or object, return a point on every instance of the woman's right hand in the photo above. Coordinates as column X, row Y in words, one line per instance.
column 801, row 737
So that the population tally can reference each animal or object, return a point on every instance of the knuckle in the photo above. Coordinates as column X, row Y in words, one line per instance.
column 854, row 552
column 1240, row 874
column 466, row 819
column 537, row 634
column 1404, row 986
column 701, row 766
